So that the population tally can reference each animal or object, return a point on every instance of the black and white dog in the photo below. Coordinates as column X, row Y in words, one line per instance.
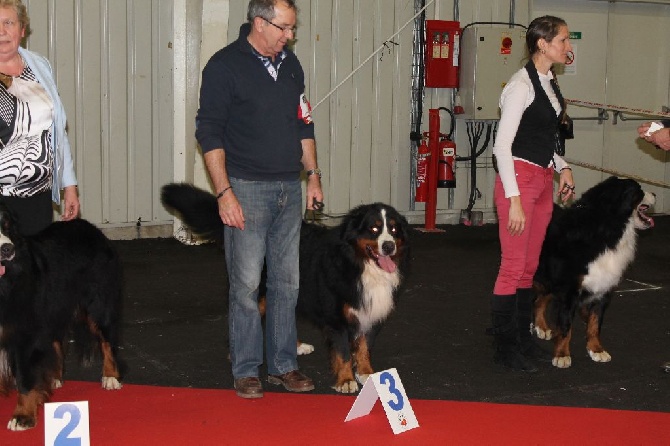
column 587, row 248
column 349, row 279
column 66, row 278
column 349, row 274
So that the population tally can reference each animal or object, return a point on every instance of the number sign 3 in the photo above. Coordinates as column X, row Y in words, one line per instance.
column 387, row 387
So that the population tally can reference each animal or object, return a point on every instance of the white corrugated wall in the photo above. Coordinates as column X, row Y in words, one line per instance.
column 113, row 63
column 128, row 72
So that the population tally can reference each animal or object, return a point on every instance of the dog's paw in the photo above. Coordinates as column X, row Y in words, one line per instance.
column 110, row 383
column 56, row 384
column 602, row 356
column 347, row 387
column 17, row 425
column 542, row 334
column 362, row 378
column 562, row 362
column 305, row 349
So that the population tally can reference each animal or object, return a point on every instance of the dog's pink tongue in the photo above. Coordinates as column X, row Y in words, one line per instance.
column 386, row 264
column 2, row 270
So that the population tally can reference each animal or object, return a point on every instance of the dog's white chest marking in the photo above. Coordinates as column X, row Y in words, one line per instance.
column 377, row 284
column 605, row 272
column 376, row 288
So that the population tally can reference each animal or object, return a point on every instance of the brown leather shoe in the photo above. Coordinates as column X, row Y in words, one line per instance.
column 249, row 387
column 293, row 381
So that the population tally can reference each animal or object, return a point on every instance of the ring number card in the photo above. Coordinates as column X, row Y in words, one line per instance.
column 387, row 387
column 66, row 424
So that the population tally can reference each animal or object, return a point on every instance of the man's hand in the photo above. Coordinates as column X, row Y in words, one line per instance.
column 230, row 210
column 660, row 138
column 314, row 192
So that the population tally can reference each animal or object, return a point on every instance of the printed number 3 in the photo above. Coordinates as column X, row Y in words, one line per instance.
column 75, row 416
column 399, row 403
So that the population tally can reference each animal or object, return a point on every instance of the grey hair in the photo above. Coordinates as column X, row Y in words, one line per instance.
column 266, row 8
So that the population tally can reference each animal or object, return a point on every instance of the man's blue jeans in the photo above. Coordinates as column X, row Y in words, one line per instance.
column 273, row 214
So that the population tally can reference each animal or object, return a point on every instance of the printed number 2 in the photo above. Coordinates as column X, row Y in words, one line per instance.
column 75, row 416
column 395, row 405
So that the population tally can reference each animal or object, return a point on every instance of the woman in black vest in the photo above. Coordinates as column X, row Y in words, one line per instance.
column 525, row 150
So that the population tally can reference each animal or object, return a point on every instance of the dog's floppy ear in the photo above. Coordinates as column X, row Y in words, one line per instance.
column 632, row 195
column 351, row 225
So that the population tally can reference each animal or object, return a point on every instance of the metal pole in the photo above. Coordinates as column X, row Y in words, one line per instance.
column 433, row 142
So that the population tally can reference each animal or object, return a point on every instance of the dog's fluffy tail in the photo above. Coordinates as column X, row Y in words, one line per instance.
column 198, row 209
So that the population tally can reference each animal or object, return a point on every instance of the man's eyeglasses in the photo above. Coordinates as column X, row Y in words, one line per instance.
column 285, row 30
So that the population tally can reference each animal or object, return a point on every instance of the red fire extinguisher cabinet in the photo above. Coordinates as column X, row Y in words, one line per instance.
column 443, row 40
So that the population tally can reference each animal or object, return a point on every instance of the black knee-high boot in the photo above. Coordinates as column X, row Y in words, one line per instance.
column 506, row 334
column 525, row 298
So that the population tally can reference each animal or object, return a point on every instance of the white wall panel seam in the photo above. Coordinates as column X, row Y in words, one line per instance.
column 105, row 105
column 155, row 104
column 333, row 100
column 355, row 118
column 51, row 8
column 396, row 142
column 130, row 145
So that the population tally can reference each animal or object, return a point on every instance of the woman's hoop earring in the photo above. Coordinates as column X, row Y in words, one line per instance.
column 543, row 51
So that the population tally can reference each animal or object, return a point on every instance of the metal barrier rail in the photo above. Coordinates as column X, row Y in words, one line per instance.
column 602, row 116
column 617, row 112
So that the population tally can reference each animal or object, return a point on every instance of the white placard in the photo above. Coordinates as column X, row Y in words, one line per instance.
column 66, row 424
column 387, row 387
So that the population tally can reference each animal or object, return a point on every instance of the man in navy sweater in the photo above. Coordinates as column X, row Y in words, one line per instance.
column 256, row 133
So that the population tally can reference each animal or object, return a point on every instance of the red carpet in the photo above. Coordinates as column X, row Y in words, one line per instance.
column 141, row 415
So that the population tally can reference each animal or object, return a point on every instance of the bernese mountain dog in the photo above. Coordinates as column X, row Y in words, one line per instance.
column 349, row 274
column 349, row 279
column 65, row 280
column 587, row 248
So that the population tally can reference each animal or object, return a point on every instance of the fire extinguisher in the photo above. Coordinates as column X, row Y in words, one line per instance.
column 422, row 163
column 447, row 159
column 446, row 173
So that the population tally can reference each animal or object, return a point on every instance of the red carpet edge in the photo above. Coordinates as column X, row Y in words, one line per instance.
column 139, row 415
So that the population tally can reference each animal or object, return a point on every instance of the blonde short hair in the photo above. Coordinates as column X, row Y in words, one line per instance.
column 21, row 11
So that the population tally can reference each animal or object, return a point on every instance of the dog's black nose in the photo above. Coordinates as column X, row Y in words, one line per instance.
column 6, row 250
column 388, row 248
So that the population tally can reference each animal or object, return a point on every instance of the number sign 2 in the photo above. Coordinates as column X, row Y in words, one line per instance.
column 66, row 424
column 387, row 387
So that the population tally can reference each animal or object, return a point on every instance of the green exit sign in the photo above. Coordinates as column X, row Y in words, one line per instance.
column 575, row 35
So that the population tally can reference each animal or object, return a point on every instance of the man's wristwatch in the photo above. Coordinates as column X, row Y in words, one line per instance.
column 314, row 171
